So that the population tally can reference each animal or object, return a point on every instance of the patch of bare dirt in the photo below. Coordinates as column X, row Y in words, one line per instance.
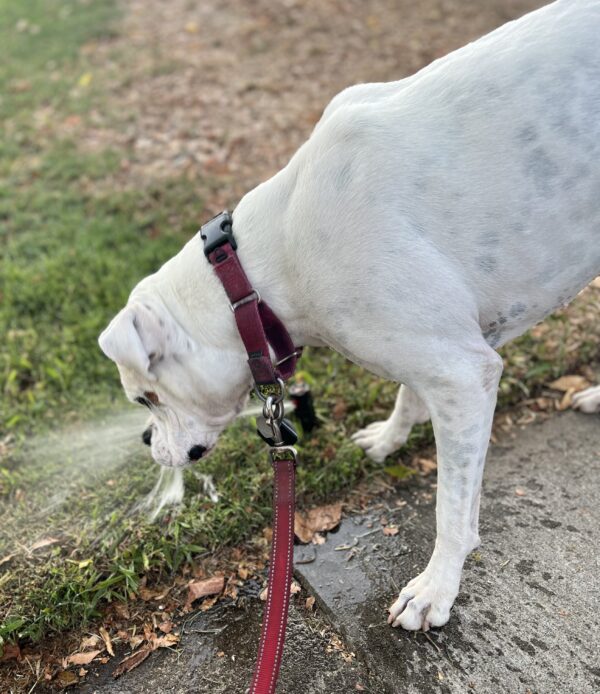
column 223, row 92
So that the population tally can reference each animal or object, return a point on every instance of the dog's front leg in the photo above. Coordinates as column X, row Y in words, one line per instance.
column 461, row 399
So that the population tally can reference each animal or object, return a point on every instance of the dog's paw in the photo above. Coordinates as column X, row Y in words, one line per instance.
column 587, row 400
column 378, row 440
column 425, row 602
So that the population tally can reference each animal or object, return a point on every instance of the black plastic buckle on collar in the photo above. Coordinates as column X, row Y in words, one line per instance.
column 216, row 232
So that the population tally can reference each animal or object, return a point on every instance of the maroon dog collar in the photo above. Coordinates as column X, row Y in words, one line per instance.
column 258, row 326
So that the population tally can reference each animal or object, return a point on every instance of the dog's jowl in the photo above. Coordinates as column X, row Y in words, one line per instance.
column 423, row 224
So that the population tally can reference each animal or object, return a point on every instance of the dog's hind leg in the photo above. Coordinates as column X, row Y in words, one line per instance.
column 379, row 439
column 461, row 398
column 587, row 400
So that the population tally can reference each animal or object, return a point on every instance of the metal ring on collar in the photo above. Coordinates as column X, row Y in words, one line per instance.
column 253, row 296
column 273, row 410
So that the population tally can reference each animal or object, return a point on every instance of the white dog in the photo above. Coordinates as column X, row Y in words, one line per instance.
column 423, row 224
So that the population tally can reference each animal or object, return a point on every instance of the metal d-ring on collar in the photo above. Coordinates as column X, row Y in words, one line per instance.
column 253, row 296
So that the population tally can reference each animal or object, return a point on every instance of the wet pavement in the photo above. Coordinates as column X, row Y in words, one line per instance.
column 525, row 621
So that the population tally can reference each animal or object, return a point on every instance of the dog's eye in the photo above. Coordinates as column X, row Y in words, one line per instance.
column 149, row 399
column 153, row 397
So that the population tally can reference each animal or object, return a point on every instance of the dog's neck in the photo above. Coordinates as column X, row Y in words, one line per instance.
column 191, row 291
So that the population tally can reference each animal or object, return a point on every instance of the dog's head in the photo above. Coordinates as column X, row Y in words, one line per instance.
column 194, row 381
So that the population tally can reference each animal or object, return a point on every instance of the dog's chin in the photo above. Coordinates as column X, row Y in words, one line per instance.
column 180, row 464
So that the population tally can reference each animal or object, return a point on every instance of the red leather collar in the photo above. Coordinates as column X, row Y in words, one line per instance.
column 258, row 326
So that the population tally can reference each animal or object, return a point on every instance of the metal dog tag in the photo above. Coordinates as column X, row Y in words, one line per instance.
column 288, row 433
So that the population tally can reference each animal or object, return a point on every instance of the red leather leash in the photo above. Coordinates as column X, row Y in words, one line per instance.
column 281, row 564
column 259, row 327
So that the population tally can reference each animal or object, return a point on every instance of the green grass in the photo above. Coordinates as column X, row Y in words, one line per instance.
column 72, row 247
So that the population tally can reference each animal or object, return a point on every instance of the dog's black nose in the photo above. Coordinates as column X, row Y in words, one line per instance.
column 195, row 452
column 147, row 436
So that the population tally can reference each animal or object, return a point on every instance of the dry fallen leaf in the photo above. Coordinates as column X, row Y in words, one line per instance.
column 107, row 641
column 200, row 589
column 207, row 604
column 310, row 602
column 426, row 465
column 132, row 661
column 43, row 543
column 90, row 642
column 166, row 627
column 570, row 383
column 164, row 641
column 390, row 530
column 316, row 520
column 295, row 588
column 82, row 658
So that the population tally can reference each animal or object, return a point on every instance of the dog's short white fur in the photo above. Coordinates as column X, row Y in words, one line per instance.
column 423, row 224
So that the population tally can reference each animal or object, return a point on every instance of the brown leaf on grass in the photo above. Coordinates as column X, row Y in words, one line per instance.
column 166, row 627
column 43, row 543
column 339, row 409
column 148, row 594
column 310, row 602
column 132, row 661
column 107, row 641
column 200, row 589
column 390, row 530
column 82, row 658
column 295, row 588
column 121, row 610
column 426, row 465
column 316, row 520
column 10, row 652
column 570, row 383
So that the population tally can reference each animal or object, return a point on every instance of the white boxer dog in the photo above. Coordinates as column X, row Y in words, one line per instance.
column 423, row 224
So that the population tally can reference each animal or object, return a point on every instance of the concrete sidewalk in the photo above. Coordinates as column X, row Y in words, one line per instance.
column 526, row 619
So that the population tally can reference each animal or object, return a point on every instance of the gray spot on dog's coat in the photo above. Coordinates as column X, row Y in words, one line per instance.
column 517, row 309
column 542, row 170
column 487, row 263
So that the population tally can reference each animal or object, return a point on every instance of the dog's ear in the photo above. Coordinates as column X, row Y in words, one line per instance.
column 134, row 339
